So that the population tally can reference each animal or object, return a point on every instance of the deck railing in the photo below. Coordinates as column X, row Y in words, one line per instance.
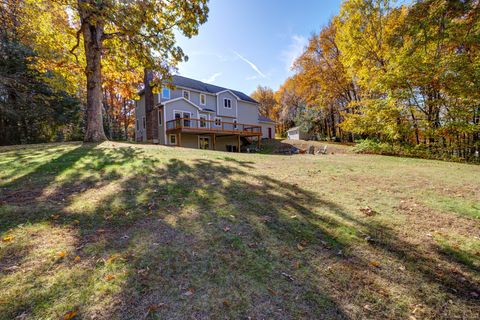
column 204, row 125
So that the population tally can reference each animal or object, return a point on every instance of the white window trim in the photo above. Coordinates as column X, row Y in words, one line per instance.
column 215, row 122
column 227, row 99
column 183, row 94
column 182, row 112
column 209, row 142
column 168, row 90
column 177, row 111
column 170, row 139
column 205, row 99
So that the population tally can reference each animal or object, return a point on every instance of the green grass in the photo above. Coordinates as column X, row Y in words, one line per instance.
column 124, row 231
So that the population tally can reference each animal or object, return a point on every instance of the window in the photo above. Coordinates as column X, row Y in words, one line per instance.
column 203, row 121
column 138, row 125
column 172, row 139
column 165, row 93
column 186, row 94
column 183, row 118
column 144, row 123
column 218, row 122
column 203, row 99
column 235, row 124
column 159, row 117
column 227, row 103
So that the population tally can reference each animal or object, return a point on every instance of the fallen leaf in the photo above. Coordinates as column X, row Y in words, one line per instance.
column 297, row 265
column 109, row 277
column 300, row 247
column 375, row 264
column 367, row 307
column 226, row 303
column 272, row 291
column 368, row 211
column 252, row 245
column 226, row 229
column 188, row 293
column 8, row 238
column 55, row 216
column 61, row 254
column 155, row 307
column 69, row 315
column 77, row 259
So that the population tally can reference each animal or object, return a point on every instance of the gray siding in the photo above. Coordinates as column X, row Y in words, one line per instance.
column 221, row 110
column 140, row 131
column 265, row 126
column 247, row 113
column 180, row 105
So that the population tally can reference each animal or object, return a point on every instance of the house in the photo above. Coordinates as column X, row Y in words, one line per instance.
column 296, row 133
column 194, row 114
column 268, row 127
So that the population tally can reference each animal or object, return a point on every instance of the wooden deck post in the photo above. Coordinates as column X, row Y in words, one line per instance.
column 238, row 136
column 259, row 141
column 179, row 139
column 214, row 141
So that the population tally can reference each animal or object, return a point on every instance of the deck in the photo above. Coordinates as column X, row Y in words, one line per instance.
column 213, row 128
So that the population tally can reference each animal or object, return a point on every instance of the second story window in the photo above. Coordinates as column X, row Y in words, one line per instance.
column 203, row 99
column 165, row 93
column 227, row 103
column 218, row 122
column 186, row 94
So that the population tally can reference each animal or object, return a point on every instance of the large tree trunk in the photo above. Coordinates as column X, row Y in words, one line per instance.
column 92, row 37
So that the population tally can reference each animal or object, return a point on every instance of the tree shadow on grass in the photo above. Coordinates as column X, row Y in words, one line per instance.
column 211, row 239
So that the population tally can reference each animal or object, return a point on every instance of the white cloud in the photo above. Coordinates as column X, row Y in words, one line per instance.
column 212, row 77
column 251, row 64
column 294, row 50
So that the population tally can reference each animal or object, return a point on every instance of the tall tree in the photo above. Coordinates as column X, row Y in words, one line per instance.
column 266, row 98
column 145, row 29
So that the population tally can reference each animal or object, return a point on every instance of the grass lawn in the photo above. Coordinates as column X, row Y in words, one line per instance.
column 146, row 232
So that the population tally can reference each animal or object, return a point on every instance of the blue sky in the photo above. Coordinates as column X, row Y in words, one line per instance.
column 253, row 42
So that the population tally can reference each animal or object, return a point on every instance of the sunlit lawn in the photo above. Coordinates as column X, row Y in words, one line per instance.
column 143, row 232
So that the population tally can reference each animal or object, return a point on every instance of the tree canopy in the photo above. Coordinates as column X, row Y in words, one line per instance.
column 401, row 74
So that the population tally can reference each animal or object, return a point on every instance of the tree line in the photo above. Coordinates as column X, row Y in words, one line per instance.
column 405, row 77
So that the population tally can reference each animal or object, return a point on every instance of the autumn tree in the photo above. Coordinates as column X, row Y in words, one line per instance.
column 145, row 30
column 291, row 102
column 267, row 102
column 324, row 82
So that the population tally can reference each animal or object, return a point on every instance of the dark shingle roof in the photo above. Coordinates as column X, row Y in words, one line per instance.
column 206, row 87
column 265, row 119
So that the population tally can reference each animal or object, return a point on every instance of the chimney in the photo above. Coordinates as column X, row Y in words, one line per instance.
column 151, row 114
